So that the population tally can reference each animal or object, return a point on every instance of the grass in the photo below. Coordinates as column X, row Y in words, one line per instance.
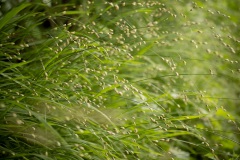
column 119, row 80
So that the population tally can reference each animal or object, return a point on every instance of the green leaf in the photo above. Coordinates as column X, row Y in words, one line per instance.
column 181, row 118
column 14, row 66
column 145, row 49
column 109, row 88
column 11, row 14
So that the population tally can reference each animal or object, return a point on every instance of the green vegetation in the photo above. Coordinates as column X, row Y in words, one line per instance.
column 96, row 79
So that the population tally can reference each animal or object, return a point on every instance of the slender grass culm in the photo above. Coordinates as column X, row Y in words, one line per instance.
column 136, row 79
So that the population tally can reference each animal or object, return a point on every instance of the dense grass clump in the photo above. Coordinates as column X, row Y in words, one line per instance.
column 119, row 80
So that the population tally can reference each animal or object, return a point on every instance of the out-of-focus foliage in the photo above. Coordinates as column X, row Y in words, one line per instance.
column 119, row 79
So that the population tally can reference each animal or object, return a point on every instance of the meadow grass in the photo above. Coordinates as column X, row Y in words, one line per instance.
column 119, row 80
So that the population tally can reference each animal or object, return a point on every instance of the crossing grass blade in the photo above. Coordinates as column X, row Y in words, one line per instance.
column 11, row 14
